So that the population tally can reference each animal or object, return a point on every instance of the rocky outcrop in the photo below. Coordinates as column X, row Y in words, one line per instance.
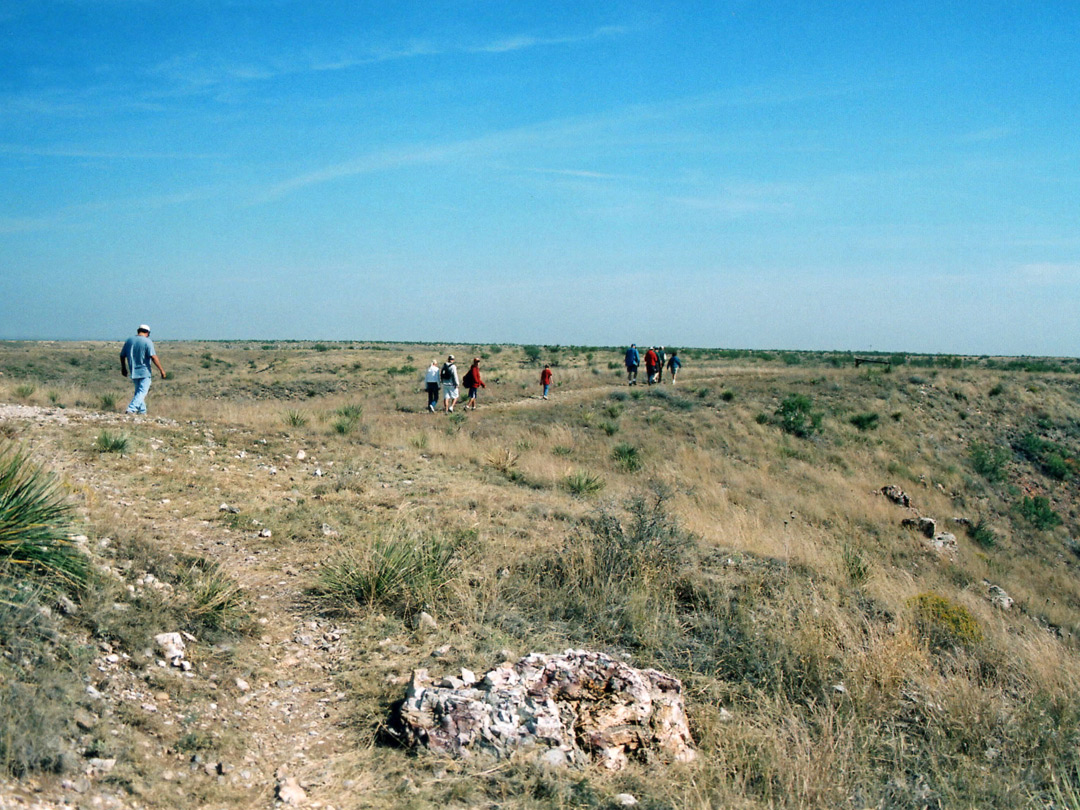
column 569, row 708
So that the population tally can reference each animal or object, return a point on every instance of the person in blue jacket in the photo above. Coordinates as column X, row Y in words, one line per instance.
column 633, row 360
column 674, row 364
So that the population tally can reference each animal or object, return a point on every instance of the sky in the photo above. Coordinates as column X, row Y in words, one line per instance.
column 795, row 174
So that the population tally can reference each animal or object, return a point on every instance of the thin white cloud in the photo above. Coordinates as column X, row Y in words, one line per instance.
column 985, row 135
column 1048, row 273
column 197, row 71
column 96, row 154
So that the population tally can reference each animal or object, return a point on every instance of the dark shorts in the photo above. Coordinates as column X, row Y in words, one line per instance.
column 472, row 392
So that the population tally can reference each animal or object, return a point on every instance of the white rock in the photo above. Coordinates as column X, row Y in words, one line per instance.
column 300, row 455
column 171, row 645
column 625, row 800
column 265, row 533
column 290, row 792
column 242, row 685
column 425, row 622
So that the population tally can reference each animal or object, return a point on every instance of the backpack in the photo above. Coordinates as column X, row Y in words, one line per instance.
column 446, row 374
column 470, row 379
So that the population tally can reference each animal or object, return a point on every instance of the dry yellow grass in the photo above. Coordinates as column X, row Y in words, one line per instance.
column 791, row 609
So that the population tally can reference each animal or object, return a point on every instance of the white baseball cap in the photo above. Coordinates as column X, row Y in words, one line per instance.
column 143, row 328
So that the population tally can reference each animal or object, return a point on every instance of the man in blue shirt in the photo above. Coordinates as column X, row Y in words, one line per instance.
column 136, row 356
column 632, row 360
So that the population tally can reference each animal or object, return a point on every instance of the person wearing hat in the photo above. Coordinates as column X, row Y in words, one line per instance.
column 136, row 356
column 448, row 375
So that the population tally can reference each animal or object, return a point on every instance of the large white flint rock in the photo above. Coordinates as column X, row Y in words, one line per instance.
column 171, row 646
column 569, row 707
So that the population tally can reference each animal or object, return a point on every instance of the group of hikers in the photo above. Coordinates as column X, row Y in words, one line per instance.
column 445, row 379
column 655, row 361
column 138, row 356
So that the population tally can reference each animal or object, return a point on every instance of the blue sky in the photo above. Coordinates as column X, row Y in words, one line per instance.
column 818, row 175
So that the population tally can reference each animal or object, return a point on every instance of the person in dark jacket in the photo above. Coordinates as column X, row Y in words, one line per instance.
column 674, row 364
column 473, row 382
column 632, row 361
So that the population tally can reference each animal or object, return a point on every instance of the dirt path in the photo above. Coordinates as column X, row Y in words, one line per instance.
column 274, row 705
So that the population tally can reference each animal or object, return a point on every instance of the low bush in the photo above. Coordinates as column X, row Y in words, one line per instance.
column 943, row 623
column 795, row 416
column 865, row 421
column 1038, row 512
column 988, row 461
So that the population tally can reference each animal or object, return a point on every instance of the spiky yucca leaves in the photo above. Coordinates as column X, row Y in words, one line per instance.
column 34, row 522
column 400, row 570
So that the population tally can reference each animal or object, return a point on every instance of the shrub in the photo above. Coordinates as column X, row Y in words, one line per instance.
column 981, row 534
column 610, row 427
column 34, row 519
column 24, row 391
column 532, row 353
column 944, row 623
column 988, row 461
column 294, row 418
column 1038, row 512
column 582, row 483
column 401, row 571
column 796, row 417
column 108, row 402
column 727, row 396
column 504, row 460
column 112, row 442
column 613, row 411
column 627, row 456
column 400, row 371
column 865, row 421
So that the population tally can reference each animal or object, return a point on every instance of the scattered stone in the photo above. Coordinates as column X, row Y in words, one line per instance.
column 998, row 597
column 928, row 526
column 896, row 495
column 232, row 510
column 561, row 705
column 626, row 800
column 171, row 646
column 289, row 792
column 300, row 455
column 944, row 542
column 84, row 719
column 426, row 623
column 266, row 533
column 66, row 606
column 329, row 531
column 97, row 766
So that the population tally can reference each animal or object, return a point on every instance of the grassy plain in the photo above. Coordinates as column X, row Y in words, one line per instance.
column 730, row 530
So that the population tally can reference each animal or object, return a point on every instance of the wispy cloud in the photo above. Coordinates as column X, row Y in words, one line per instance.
column 1048, row 273
column 985, row 135
column 81, row 153
column 198, row 70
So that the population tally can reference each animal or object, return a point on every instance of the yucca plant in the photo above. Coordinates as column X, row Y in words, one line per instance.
column 294, row 418
column 112, row 442
column 584, row 483
column 400, row 571
column 34, row 522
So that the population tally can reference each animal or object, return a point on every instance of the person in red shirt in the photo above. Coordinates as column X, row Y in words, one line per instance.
column 473, row 382
column 545, row 379
column 652, row 360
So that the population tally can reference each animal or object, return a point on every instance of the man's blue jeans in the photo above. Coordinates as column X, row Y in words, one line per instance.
column 138, row 402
